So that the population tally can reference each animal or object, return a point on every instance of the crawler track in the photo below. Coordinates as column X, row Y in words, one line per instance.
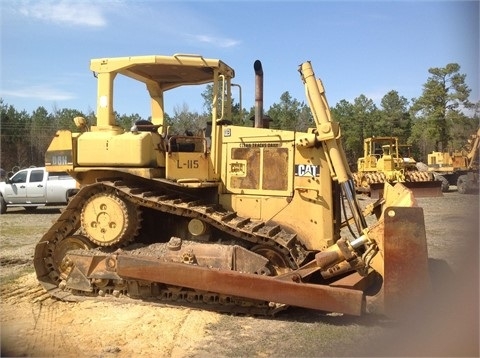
column 50, row 250
column 363, row 181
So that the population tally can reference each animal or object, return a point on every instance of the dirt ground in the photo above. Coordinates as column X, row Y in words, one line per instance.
column 32, row 324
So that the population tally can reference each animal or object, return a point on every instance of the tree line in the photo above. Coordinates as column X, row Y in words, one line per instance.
column 441, row 119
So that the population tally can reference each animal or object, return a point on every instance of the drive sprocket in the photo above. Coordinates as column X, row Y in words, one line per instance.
column 109, row 220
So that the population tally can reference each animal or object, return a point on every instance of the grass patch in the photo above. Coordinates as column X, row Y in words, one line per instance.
column 12, row 275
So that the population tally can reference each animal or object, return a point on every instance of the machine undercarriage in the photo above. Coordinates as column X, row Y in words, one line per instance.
column 193, row 233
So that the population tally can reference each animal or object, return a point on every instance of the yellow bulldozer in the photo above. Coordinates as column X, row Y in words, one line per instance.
column 385, row 160
column 459, row 167
column 237, row 219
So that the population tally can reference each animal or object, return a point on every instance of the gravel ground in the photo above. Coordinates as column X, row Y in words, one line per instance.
column 35, row 325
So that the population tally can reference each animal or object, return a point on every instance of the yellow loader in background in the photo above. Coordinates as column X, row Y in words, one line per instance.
column 382, row 163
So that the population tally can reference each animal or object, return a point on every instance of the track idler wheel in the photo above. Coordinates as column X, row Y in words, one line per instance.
column 60, row 261
column 109, row 220
column 277, row 261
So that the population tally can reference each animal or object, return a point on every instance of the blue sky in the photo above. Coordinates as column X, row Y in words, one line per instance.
column 356, row 47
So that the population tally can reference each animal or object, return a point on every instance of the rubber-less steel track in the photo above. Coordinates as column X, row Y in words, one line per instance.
column 363, row 181
column 46, row 260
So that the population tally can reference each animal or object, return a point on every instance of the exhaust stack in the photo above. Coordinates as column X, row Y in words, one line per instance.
column 258, row 121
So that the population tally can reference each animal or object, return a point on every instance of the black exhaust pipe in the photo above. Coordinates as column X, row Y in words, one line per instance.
column 257, row 66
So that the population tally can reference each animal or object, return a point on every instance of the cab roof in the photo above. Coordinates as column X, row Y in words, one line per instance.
column 167, row 71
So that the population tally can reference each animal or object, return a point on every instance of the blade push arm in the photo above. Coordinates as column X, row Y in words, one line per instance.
column 328, row 133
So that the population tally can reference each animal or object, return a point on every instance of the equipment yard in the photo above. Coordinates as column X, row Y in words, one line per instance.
column 35, row 324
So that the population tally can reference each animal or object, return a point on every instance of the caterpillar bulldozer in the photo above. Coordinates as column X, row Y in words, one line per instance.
column 460, row 167
column 236, row 219
column 385, row 160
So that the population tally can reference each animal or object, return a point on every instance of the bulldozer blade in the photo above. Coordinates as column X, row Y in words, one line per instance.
column 406, row 274
column 258, row 287
column 420, row 189
column 402, row 262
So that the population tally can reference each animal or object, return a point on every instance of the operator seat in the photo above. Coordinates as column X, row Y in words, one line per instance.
column 143, row 125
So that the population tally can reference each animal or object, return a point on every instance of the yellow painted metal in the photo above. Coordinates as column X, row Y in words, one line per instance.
column 294, row 183
column 105, row 144
column 105, row 219
column 383, row 162
column 321, row 113
column 159, row 73
column 258, row 161
column 188, row 166
column 196, row 227
column 59, row 156
column 108, row 149
column 464, row 159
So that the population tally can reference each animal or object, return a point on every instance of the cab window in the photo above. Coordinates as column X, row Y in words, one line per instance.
column 36, row 176
column 18, row 178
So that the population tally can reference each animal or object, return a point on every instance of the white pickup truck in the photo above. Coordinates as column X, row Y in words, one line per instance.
column 34, row 187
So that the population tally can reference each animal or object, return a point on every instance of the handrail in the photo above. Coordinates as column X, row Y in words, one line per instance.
column 177, row 55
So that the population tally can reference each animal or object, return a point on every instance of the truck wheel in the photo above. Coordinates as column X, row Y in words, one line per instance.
column 462, row 184
column 3, row 205
column 445, row 183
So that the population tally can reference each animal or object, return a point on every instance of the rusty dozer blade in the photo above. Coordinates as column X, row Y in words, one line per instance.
column 402, row 261
column 403, row 254
column 421, row 189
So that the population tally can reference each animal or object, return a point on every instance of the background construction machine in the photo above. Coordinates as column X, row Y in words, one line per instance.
column 239, row 219
column 383, row 161
column 460, row 167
